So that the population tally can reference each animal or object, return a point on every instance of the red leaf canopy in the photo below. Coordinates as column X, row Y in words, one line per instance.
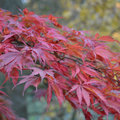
column 77, row 66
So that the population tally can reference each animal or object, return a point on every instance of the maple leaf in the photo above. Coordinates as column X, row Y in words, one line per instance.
column 41, row 72
column 14, row 75
column 30, row 81
column 58, row 93
column 108, row 39
column 79, row 94
column 90, row 71
column 53, row 33
column 38, row 53
column 103, row 52
column 97, row 93
column 33, row 79
column 114, row 105
column 16, row 59
column 86, row 96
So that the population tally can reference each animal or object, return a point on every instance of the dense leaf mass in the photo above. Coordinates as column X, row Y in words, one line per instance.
column 5, row 112
column 76, row 66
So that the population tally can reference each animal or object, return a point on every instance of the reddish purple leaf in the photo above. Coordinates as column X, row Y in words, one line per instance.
column 86, row 96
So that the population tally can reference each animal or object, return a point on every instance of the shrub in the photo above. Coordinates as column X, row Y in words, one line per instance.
column 77, row 66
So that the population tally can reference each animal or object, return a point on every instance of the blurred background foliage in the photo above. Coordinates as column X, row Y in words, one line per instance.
column 94, row 15
column 102, row 16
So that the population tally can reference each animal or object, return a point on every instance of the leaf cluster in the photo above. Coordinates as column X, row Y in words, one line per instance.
column 75, row 65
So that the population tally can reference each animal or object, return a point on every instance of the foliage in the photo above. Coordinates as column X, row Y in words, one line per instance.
column 74, row 65
column 102, row 15
column 5, row 112
column 96, row 15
